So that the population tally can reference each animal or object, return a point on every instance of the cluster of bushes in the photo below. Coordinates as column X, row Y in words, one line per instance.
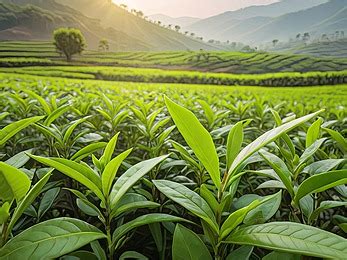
column 279, row 79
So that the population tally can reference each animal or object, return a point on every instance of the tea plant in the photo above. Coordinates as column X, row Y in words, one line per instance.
column 102, row 172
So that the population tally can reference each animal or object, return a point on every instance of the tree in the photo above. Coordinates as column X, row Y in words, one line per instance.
column 298, row 36
column 177, row 28
column 306, row 37
column 104, row 45
column 337, row 35
column 274, row 42
column 192, row 34
column 139, row 13
column 125, row 7
column 325, row 37
column 69, row 41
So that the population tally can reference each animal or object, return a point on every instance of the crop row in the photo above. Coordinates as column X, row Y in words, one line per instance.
column 227, row 62
column 188, row 77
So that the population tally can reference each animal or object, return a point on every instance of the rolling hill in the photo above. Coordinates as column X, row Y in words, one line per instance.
column 31, row 22
column 36, row 19
column 113, row 16
column 336, row 48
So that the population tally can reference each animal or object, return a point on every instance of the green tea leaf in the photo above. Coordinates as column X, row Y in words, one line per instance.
column 189, row 200
column 50, row 239
column 338, row 138
column 327, row 205
column 267, row 138
column 313, row 132
column 143, row 220
column 110, row 171
column 4, row 213
column 76, row 171
column 133, row 256
column 292, row 238
column 236, row 218
column 197, row 137
column 9, row 131
column 109, row 150
column 280, row 168
column 320, row 182
column 188, row 246
column 14, row 184
column 242, row 253
column 130, row 177
column 28, row 200
column 234, row 143
column 86, row 151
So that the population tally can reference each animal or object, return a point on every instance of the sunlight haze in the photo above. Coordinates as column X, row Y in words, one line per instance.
column 194, row 8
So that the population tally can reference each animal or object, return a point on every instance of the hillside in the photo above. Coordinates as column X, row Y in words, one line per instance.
column 325, row 18
column 19, row 21
column 212, row 27
column 333, row 48
column 113, row 16
column 30, row 22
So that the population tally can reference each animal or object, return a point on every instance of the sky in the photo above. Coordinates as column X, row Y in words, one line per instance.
column 194, row 8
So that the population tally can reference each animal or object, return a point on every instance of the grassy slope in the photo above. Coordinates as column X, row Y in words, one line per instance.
column 333, row 48
column 25, row 22
column 113, row 16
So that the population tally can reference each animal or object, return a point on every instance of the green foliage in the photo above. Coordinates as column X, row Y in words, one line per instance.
column 247, row 171
column 69, row 41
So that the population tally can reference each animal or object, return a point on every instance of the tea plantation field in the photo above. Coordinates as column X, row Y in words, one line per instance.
column 167, row 155
column 14, row 54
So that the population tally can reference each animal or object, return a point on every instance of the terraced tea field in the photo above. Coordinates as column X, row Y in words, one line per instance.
column 36, row 53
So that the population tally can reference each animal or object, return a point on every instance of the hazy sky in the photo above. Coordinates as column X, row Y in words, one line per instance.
column 195, row 8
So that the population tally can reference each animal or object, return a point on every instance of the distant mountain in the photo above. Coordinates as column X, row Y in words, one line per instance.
column 211, row 27
column 120, row 19
column 324, row 18
column 167, row 20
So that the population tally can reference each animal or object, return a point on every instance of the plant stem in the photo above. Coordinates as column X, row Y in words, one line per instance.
column 4, row 235
column 109, row 241
column 108, row 232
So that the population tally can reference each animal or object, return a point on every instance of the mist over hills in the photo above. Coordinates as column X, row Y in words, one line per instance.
column 129, row 30
column 282, row 20
column 183, row 21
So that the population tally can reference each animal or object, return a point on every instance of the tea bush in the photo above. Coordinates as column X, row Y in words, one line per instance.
column 103, row 170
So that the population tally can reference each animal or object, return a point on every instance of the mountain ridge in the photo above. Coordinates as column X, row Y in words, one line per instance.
column 209, row 26
column 259, row 28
